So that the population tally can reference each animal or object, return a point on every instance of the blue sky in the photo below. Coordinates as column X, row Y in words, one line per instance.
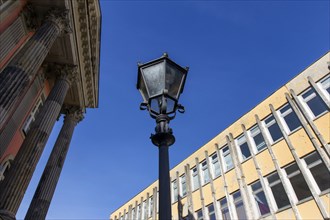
column 239, row 52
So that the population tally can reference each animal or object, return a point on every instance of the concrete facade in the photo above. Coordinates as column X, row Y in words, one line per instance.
column 272, row 163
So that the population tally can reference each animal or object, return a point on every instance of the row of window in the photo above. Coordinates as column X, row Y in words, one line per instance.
column 255, row 139
column 278, row 198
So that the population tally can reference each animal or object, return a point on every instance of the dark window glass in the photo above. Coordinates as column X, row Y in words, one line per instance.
column 239, row 205
column 245, row 151
column 298, row 182
column 211, row 212
column 278, row 191
column 260, row 198
column 319, row 171
column 290, row 117
column 259, row 141
column 273, row 128
column 224, row 209
column 199, row 215
column 314, row 102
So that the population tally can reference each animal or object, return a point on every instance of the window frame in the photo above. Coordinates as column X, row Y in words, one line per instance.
column 204, row 168
column 282, row 116
column 268, row 133
column 252, row 133
column 195, row 176
column 175, row 191
column 183, row 185
column 304, row 101
column 224, row 155
column 257, row 191
column 240, row 140
column 213, row 161
column 324, row 84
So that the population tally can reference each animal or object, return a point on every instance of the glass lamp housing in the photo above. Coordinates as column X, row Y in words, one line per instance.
column 160, row 83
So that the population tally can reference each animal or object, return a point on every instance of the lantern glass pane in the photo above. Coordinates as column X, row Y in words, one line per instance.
column 155, row 104
column 170, row 105
column 174, row 77
column 143, row 90
column 154, row 78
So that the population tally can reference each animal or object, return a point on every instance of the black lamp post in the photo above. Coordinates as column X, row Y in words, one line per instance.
column 161, row 82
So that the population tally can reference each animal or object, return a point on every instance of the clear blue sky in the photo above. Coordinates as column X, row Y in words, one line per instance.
column 239, row 52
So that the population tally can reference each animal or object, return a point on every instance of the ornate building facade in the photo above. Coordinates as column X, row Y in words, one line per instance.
column 49, row 65
column 272, row 163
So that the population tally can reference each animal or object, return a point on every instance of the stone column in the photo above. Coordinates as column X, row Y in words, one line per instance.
column 13, row 187
column 21, row 71
column 44, row 193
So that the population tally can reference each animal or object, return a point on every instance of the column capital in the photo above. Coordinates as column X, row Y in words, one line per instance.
column 60, row 17
column 66, row 72
column 74, row 113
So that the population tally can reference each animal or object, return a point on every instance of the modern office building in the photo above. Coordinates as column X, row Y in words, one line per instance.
column 272, row 163
column 49, row 65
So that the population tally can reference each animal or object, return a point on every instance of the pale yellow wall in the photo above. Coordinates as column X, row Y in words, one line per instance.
column 301, row 142
column 282, row 153
column 207, row 192
column 323, row 124
column 196, row 200
column 231, row 180
column 249, row 171
column 265, row 162
column 309, row 210
column 326, row 199
column 285, row 215
column 219, row 188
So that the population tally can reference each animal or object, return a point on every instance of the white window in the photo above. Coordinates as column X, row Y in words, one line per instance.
column 319, row 171
column 144, row 210
column 239, row 205
column 298, row 182
column 276, row 186
column 126, row 216
column 273, row 129
column 183, row 185
column 138, row 212
column 243, row 148
column 290, row 118
column 227, row 159
column 205, row 172
column 133, row 213
column 199, row 214
column 325, row 85
column 211, row 212
column 150, row 206
column 31, row 118
column 195, row 182
column 258, row 140
column 313, row 103
column 260, row 198
column 224, row 209
column 174, row 191
column 215, row 165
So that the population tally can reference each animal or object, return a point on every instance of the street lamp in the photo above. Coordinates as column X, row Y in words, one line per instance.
column 160, row 83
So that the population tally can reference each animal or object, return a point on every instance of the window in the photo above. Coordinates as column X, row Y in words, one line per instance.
column 200, row 214
column 224, row 209
column 260, row 198
column 183, row 185
column 239, row 205
column 211, row 212
column 273, row 128
column 258, row 139
column 133, row 213
column 290, row 118
column 174, row 191
column 314, row 102
column 121, row 217
column 150, row 207
column 195, row 182
column 227, row 158
column 138, row 212
column 144, row 210
column 298, row 182
column 205, row 172
column 215, row 165
column 243, row 147
column 325, row 84
column 276, row 186
column 31, row 118
column 319, row 171
column 126, row 216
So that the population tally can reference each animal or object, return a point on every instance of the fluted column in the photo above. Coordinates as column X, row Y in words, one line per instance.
column 13, row 187
column 21, row 71
column 44, row 193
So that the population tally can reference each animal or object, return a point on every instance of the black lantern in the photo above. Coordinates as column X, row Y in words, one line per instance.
column 161, row 82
